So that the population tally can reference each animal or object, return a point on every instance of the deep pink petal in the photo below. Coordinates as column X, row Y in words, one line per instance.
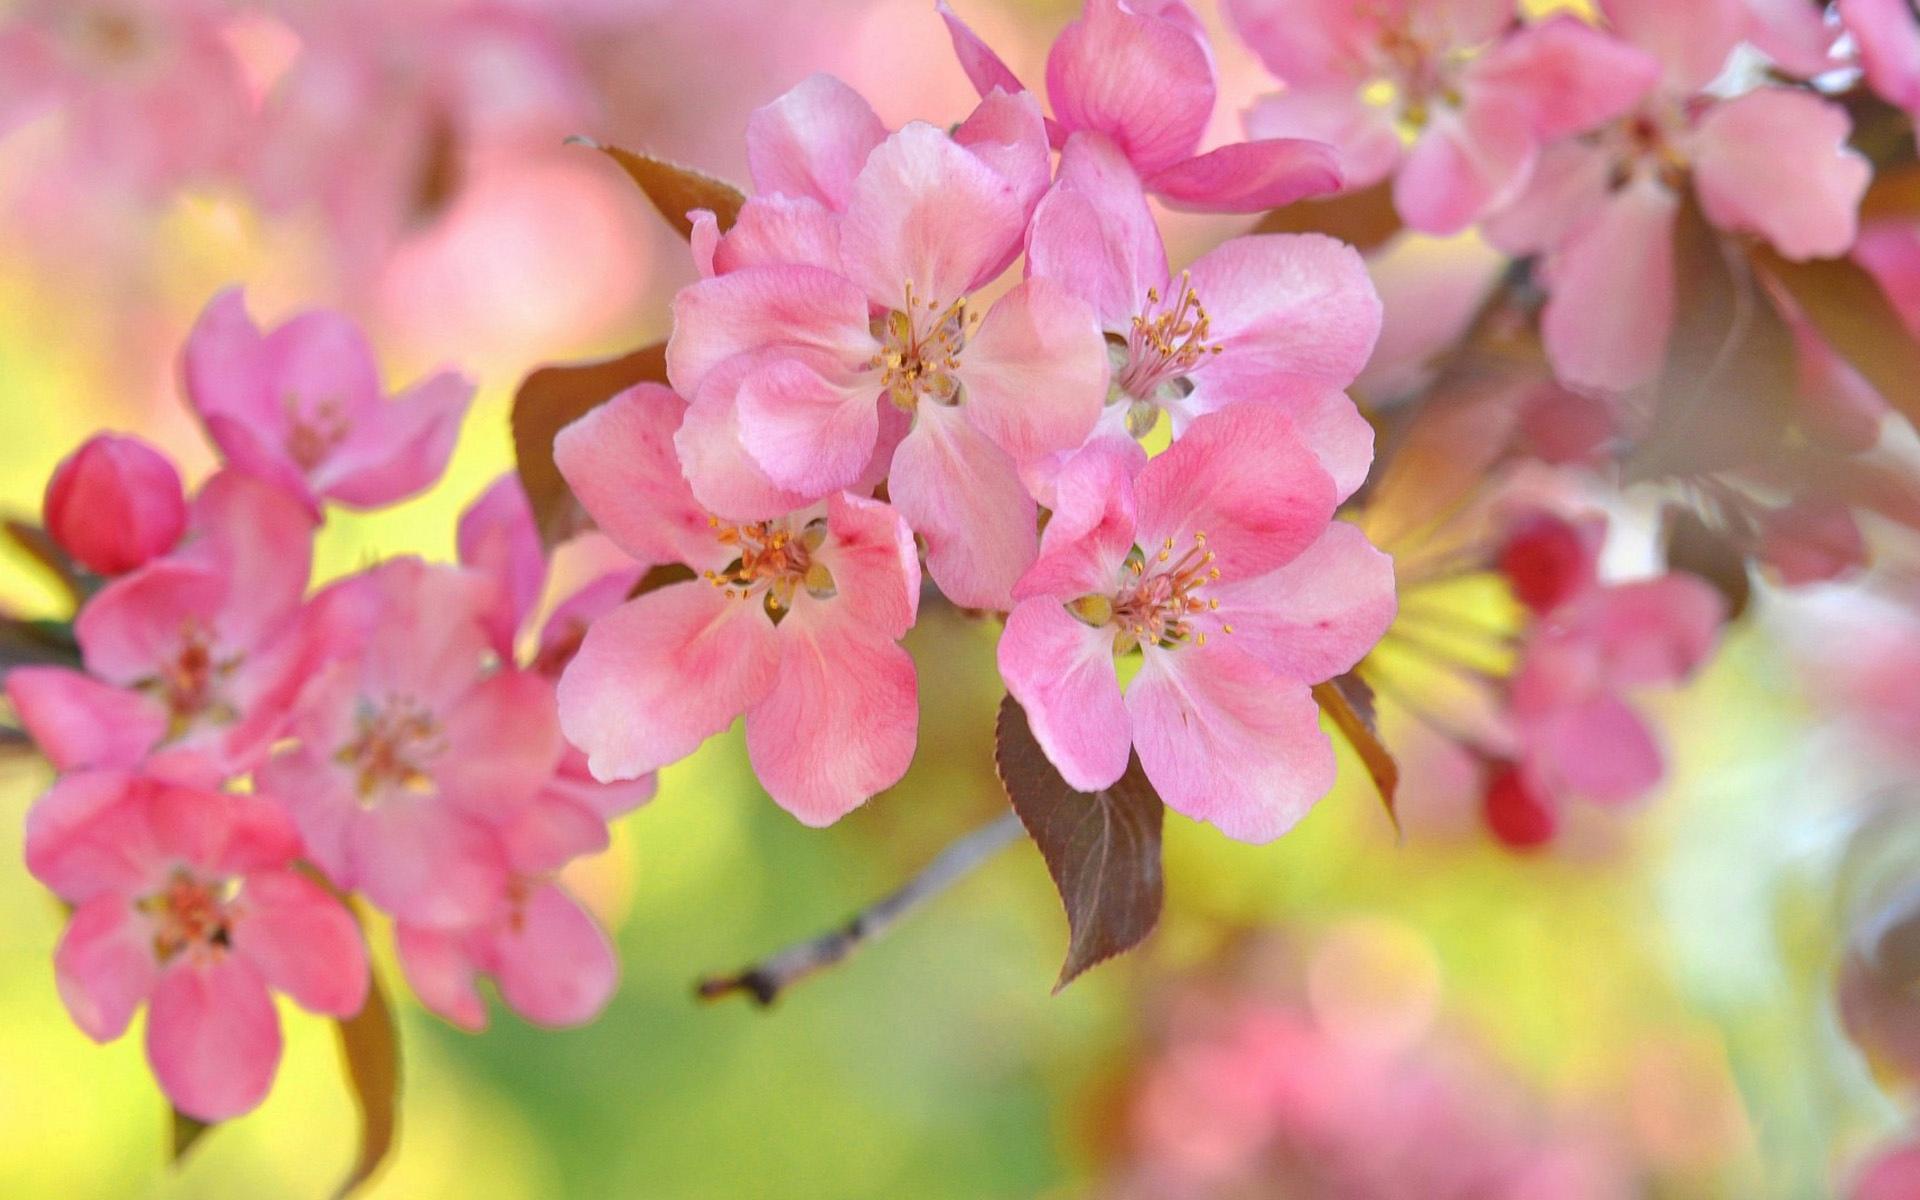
column 962, row 494
column 812, row 141
column 1243, row 481
column 808, row 432
column 554, row 964
column 1810, row 212
column 401, row 448
column 79, row 722
column 222, row 833
column 1366, row 144
column 875, row 565
column 442, row 973
column 424, row 862
column 1691, row 40
column 1611, row 312
column 620, row 462
column 726, row 479
column 661, row 674
column 321, row 358
column 801, row 307
column 502, row 744
column 104, row 966
column 1092, row 528
column 1006, row 132
column 1143, row 81
column 213, row 1037
column 115, row 504
column 136, row 623
column 984, row 69
column 1286, row 307
column 1250, row 176
column 553, row 831
column 929, row 215
column 839, row 723
column 260, row 539
column 87, row 836
column 302, row 941
column 1225, row 740
column 1317, row 616
column 1095, row 235
column 1567, row 76
column 225, row 367
column 1061, row 670
column 497, row 537
column 1036, row 372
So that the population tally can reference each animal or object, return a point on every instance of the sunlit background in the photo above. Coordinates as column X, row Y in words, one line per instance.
column 1659, row 993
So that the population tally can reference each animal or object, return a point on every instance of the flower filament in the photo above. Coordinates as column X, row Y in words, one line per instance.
column 188, row 682
column 1168, row 339
column 773, row 564
column 1158, row 598
column 920, row 350
column 391, row 745
column 190, row 914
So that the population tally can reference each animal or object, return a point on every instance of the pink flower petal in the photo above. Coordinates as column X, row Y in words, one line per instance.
column 1567, row 76
column 213, row 1037
column 776, row 231
column 1243, row 479
column 1318, row 43
column 1143, row 81
column 1810, row 212
column 726, row 480
column 1061, row 670
column 552, row 832
column 962, row 494
column 1467, row 163
column 104, row 966
column 86, row 838
column 1254, row 176
column 984, row 69
column 1611, row 312
column 115, row 504
column 1888, row 38
column 497, row 538
column 801, row 307
column 1600, row 750
column 1569, row 184
column 1095, row 235
column 226, row 370
column 79, row 722
column 1092, row 528
column 809, row 433
column 661, row 674
column 620, row 462
column 1225, row 740
column 424, row 862
column 554, row 965
column 839, row 723
column 875, row 565
column 502, row 744
column 1794, row 35
column 1036, row 372
column 1006, row 132
column 442, row 973
column 1286, row 307
column 261, row 540
column 401, row 448
column 302, row 942
column 930, row 215
column 1654, row 631
column 136, row 623
column 812, row 141
column 1317, row 616
column 1692, row 40
column 1366, row 143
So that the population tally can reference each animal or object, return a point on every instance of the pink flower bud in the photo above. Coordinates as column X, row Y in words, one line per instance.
column 114, row 504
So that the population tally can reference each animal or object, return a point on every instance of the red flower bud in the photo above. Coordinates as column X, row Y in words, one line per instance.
column 1517, row 815
column 114, row 504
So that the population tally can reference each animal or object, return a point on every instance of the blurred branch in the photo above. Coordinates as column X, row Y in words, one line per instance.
column 766, row 979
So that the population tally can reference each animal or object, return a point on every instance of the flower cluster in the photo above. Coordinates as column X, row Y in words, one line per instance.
column 237, row 757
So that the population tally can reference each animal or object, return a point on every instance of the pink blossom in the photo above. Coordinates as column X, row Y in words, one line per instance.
column 1218, row 567
column 799, row 389
column 411, row 751
column 114, row 504
column 187, row 900
column 1892, row 1174
column 301, row 407
column 498, row 540
column 1550, row 561
column 1887, row 40
column 1603, row 209
column 151, row 93
column 793, row 620
column 1138, row 75
column 1286, row 320
column 193, row 658
column 1483, row 95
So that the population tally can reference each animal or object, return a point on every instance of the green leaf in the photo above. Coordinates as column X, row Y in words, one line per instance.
column 548, row 401
column 1102, row 848
column 370, row 1048
column 1727, row 394
column 1348, row 703
column 673, row 189
column 1846, row 304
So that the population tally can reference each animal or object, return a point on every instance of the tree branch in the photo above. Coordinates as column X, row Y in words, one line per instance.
column 766, row 979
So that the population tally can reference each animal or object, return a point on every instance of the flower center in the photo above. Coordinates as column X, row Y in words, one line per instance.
column 920, row 350
column 189, row 913
column 390, row 748
column 314, row 433
column 1647, row 141
column 1166, row 342
column 773, row 564
column 188, row 682
column 1158, row 598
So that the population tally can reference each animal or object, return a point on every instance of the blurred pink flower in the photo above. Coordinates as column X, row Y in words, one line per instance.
column 1892, row 1174
column 411, row 751
column 115, row 504
column 187, row 900
column 1221, row 566
column 793, row 621
column 1286, row 320
column 1886, row 39
column 302, row 407
column 194, row 658
column 1485, row 94
column 1139, row 75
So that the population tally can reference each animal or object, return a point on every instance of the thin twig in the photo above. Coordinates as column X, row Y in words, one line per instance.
column 766, row 979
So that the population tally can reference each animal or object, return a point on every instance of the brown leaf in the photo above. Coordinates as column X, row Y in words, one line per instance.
column 1697, row 548
column 1348, row 703
column 675, row 190
column 548, row 401
column 1845, row 303
column 660, row 576
column 1365, row 218
column 185, row 1132
column 40, row 546
column 1727, row 393
column 370, row 1047
column 1102, row 848
column 36, row 644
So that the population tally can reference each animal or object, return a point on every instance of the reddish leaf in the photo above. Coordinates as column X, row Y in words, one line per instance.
column 370, row 1047
column 548, row 401
column 1102, row 848
column 1727, row 394
column 675, row 190
column 1845, row 303
column 1348, row 703
column 1697, row 548
column 1365, row 218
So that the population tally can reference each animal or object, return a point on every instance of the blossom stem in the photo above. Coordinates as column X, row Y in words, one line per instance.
column 766, row 979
